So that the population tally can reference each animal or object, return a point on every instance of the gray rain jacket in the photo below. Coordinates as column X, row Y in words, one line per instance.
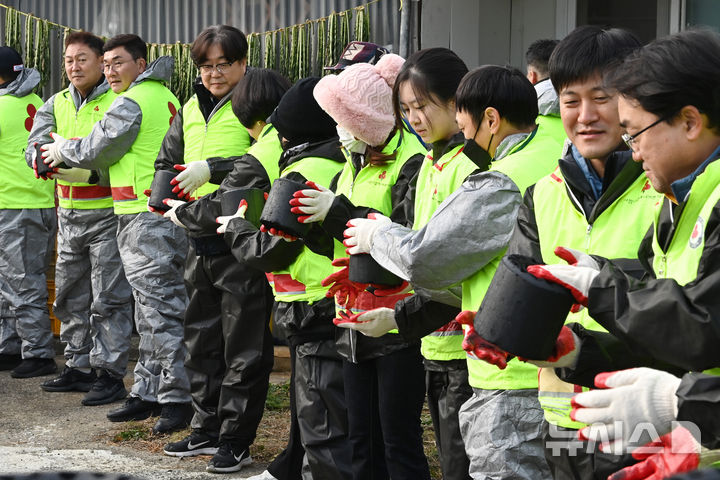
column 44, row 124
column 112, row 137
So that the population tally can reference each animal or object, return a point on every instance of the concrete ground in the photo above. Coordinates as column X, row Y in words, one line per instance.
column 50, row 432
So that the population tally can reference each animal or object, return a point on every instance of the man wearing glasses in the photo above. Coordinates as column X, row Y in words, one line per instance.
column 226, row 323
column 127, row 140
column 596, row 202
column 92, row 296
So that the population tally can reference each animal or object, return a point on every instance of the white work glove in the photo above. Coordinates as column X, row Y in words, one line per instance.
column 631, row 397
column 577, row 276
column 172, row 213
column 72, row 175
column 51, row 151
column 192, row 176
column 359, row 235
column 313, row 202
column 224, row 220
column 373, row 323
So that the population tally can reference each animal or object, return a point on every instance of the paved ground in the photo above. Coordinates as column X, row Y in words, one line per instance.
column 42, row 431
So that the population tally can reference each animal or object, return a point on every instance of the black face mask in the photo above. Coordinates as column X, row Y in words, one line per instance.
column 476, row 153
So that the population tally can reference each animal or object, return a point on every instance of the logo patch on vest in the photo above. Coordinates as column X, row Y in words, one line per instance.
column 97, row 108
column 383, row 175
column 646, row 186
column 697, row 234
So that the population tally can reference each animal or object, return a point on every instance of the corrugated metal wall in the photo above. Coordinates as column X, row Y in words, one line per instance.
column 169, row 21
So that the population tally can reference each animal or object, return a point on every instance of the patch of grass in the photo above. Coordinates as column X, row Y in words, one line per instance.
column 133, row 432
column 278, row 397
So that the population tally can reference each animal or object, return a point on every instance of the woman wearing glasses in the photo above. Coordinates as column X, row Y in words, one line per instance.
column 226, row 322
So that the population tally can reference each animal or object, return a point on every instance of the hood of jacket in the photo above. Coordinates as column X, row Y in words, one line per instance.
column 548, row 101
column 329, row 148
column 28, row 79
column 160, row 69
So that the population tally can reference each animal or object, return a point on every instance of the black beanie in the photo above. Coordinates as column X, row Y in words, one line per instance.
column 11, row 63
column 299, row 118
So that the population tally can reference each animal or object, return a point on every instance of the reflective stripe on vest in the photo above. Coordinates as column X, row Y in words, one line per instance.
column 309, row 268
column 559, row 223
column 436, row 181
column 221, row 136
column 528, row 161
column 19, row 187
column 71, row 123
column 682, row 258
column 133, row 173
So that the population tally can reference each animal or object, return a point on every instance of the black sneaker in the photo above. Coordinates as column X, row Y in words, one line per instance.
column 70, row 380
column 197, row 443
column 34, row 367
column 229, row 458
column 8, row 361
column 134, row 409
column 106, row 389
column 174, row 416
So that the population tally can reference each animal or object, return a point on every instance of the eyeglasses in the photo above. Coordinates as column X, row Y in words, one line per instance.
column 115, row 66
column 630, row 139
column 220, row 67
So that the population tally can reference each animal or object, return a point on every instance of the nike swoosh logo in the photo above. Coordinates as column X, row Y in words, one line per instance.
column 238, row 457
column 196, row 445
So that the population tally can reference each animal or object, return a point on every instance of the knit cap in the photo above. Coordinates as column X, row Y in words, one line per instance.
column 298, row 117
column 10, row 61
column 359, row 99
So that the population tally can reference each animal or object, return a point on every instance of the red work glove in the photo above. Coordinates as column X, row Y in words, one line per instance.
column 343, row 289
column 475, row 345
column 562, row 355
column 576, row 277
column 278, row 233
column 385, row 291
column 674, row 452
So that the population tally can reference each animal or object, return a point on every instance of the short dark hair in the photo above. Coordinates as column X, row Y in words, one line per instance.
column 586, row 51
column 434, row 74
column 538, row 54
column 232, row 41
column 134, row 45
column 93, row 42
column 504, row 88
column 673, row 72
column 257, row 94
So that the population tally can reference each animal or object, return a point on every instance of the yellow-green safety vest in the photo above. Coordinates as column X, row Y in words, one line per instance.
column 221, row 136
column 436, row 181
column 553, row 126
column 70, row 123
column 615, row 233
column 682, row 258
column 528, row 162
column 267, row 150
column 300, row 282
column 19, row 188
column 133, row 173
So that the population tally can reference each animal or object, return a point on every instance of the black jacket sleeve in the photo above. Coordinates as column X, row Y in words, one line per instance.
column 417, row 316
column 172, row 149
column 525, row 239
column 260, row 250
column 699, row 402
column 402, row 197
column 678, row 324
column 603, row 352
column 199, row 216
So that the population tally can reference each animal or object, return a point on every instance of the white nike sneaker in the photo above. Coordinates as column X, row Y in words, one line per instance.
column 262, row 476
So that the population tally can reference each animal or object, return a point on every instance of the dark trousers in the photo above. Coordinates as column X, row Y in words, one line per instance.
column 447, row 389
column 569, row 459
column 384, row 397
column 230, row 348
column 288, row 464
